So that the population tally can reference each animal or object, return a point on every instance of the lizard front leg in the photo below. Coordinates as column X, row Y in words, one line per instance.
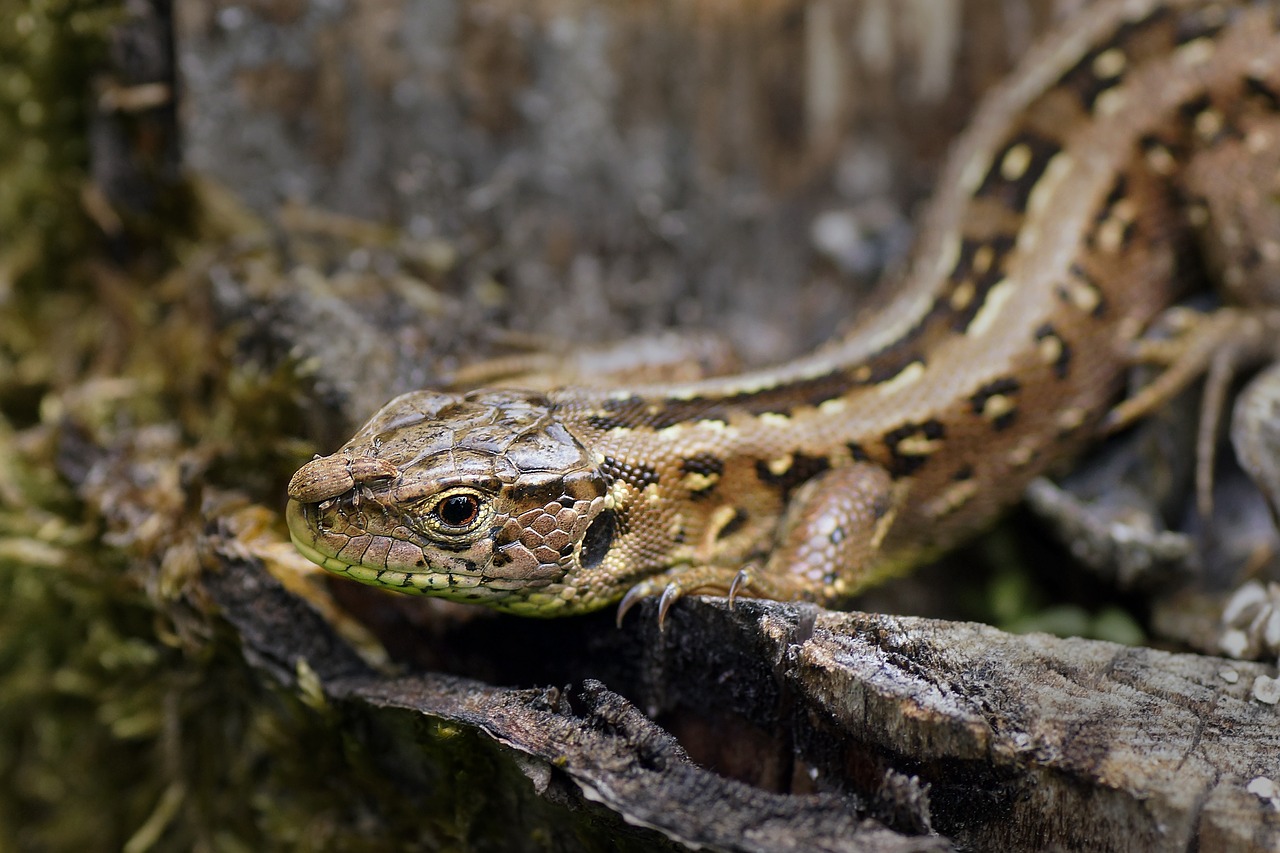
column 827, row 539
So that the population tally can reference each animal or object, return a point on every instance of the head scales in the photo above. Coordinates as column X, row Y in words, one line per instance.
column 373, row 509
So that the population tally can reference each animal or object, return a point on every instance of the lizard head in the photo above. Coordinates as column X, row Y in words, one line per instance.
column 483, row 497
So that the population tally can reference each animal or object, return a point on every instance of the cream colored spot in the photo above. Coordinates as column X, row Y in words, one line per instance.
column 1195, row 52
column 918, row 445
column 774, row 419
column 962, row 295
column 997, row 406
column 1258, row 141
column 697, row 481
column 863, row 373
column 1208, row 123
column 721, row 517
column 1161, row 160
column 1083, row 295
column 1110, row 102
column 1015, row 162
column 1050, row 349
column 1070, row 419
column 1111, row 235
column 911, row 373
column 834, row 406
column 1022, row 455
column 999, row 294
column 982, row 259
column 1058, row 169
column 780, row 465
column 1109, row 63
column 951, row 499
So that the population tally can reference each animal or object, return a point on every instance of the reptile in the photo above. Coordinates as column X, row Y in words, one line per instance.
column 1132, row 156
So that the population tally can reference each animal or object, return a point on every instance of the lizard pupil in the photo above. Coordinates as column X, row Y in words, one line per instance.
column 458, row 510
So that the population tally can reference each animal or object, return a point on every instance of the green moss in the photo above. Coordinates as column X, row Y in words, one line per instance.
column 50, row 52
column 130, row 720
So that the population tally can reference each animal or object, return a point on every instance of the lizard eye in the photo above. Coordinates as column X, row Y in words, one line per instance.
column 458, row 510
column 458, row 514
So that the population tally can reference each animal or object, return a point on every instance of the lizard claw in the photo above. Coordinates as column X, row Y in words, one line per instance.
column 670, row 593
column 633, row 596
column 740, row 581
column 669, row 596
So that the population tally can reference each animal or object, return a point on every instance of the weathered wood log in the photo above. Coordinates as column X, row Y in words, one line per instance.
column 576, row 745
column 991, row 740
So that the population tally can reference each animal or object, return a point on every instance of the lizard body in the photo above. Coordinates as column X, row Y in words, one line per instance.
column 1058, row 233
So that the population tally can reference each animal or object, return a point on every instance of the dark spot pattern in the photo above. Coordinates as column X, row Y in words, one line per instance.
column 1193, row 108
column 598, row 539
column 1256, row 88
column 1151, row 142
column 966, row 270
column 802, row 469
column 1084, row 81
column 1013, row 192
column 1061, row 364
column 1084, row 279
column 733, row 525
column 706, row 465
column 901, row 463
column 1007, row 387
column 637, row 474
column 1115, row 195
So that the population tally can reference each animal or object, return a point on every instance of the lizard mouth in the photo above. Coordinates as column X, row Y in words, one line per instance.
column 324, row 549
column 472, row 587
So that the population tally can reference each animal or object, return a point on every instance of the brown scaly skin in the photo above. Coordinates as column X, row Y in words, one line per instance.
column 1048, row 250
column 483, row 498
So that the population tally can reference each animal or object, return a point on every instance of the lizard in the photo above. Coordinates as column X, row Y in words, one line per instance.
column 1061, row 231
